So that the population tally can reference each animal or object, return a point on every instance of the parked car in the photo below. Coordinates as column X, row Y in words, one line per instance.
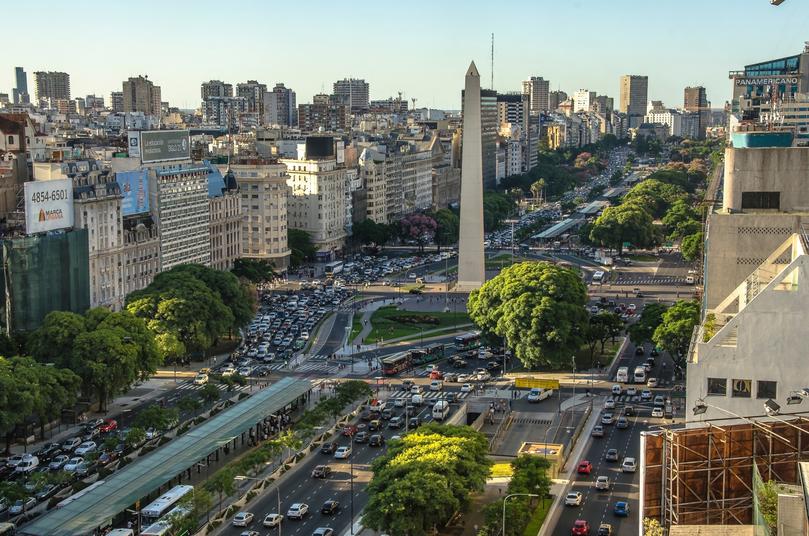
column 86, row 448
column 46, row 492
column 73, row 464
column 22, row 505
column 58, row 462
column 69, row 444
column 107, row 458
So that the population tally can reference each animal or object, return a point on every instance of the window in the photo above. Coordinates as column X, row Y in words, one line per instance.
column 717, row 386
column 761, row 200
column 766, row 389
column 741, row 388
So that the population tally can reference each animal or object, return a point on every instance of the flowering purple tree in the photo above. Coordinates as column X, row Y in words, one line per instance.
column 418, row 227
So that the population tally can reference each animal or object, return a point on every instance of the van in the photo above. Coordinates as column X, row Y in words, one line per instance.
column 440, row 410
column 416, row 400
column 28, row 464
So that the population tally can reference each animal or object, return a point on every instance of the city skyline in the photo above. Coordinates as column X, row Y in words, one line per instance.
column 430, row 71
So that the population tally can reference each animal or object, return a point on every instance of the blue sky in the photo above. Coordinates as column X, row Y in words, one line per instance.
column 418, row 47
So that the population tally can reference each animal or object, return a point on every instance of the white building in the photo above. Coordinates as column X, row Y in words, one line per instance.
column 583, row 100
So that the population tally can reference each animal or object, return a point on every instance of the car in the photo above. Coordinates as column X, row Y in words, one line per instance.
column 629, row 465
column 298, row 511
column 639, row 350
column 631, row 391
column 200, row 379
column 629, row 410
column 606, row 418
column 416, row 389
column 107, row 458
column 377, row 440
column 459, row 363
column 632, row 307
column 602, row 483
column 242, row 519
column 250, row 533
column 604, row 529
column 581, row 527
column 321, row 471
column 621, row 422
column 69, row 444
column 58, row 462
column 72, row 464
column 647, row 367
column 86, row 448
column 272, row 520
column 659, row 401
column 617, row 390
column 22, row 505
column 646, row 394
column 330, row 507
column 466, row 388
column 652, row 382
column 574, row 498
column 611, row 455
column 110, row 425
column 323, row 531
column 361, row 437
column 386, row 414
column 657, row 412
column 621, row 509
column 598, row 431
column 536, row 394
column 374, row 425
column 49, row 450
column 85, row 468
column 436, row 375
column 349, row 430
column 584, row 467
column 328, row 447
column 396, row 422
column 46, row 492
column 609, row 403
column 414, row 422
column 436, row 385
column 342, row 453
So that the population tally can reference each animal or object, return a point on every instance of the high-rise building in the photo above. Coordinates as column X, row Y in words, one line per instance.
column 117, row 101
column 555, row 98
column 224, row 111
column 391, row 105
column 512, row 108
column 216, row 88
column 52, row 85
column 91, row 102
column 538, row 91
column 634, row 97
column 323, row 114
column 696, row 100
column 20, row 91
column 584, row 100
column 489, row 126
column 226, row 220
column 141, row 95
column 253, row 93
column 353, row 93
column 284, row 110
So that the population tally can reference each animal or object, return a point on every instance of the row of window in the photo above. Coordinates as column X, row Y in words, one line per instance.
column 740, row 388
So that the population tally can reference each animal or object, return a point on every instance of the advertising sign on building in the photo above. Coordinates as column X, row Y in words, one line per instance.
column 48, row 205
column 135, row 189
column 133, row 142
column 162, row 145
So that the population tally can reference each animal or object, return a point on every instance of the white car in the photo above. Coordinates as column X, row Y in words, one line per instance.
column 466, row 388
column 616, row 390
column 273, row 520
column 609, row 403
column 631, row 391
column 652, row 382
column 436, row 385
column 603, row 482
column 416, row 390
column 298, row 511
column 399, row 402
column 629, row 465
column 201, row 379
column 85, row 448
column 607, row 418
column 242, row 519
column 657, row 412
column 536, row 394
column 342, row 453
column 229, row 371
column 646, row 394
column 573, row 499
column 72, row 464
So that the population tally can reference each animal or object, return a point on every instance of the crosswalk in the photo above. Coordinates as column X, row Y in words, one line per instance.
column 428, row 395
column 188, row 385
column 651, row 280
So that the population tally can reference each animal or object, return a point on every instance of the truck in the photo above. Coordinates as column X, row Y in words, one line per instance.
column 622, row 376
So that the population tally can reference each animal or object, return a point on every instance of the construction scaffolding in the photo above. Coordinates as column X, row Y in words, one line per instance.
column 704, row 476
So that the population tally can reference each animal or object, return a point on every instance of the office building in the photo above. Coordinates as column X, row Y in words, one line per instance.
column 323, row 114
column 141, row 95
column 583, row 100
column 224, row 111
column 696, row 100
column 215, row 88
column 91, row 102
column 117, row 101
column 391, row 105
column 52, row 85
column 352, row 92
column 634, row 97
column 489, row 126
column 512, row 109
column 253, row 94
column 20, row 91
column 537, row 90
column 286, row 108
column 555, row 98
column 179, row 197
column 264, row 192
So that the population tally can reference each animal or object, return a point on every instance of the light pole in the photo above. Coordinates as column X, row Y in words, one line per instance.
column 573, row 360
column 504, row 505
column 277, row 489
column 351, row 483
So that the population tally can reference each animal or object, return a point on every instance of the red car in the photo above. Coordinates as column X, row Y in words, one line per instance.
column 349, row 430
column 580, row 528
column 584, row 468
column 109, row 425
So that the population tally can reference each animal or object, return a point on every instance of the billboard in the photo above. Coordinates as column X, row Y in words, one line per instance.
column 48, row 205
column 527, row 382
column 133, row 144
column 135, row 189
column 161, row 145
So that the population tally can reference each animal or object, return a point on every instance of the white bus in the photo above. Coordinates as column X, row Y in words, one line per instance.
column 622, row 376
column 640, row 375
column 160, row 506
column 334, row 268
column 598, row 276
column 440, row 410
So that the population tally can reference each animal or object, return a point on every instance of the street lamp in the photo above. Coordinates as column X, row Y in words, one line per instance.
column 277, row 489
column 504, row 505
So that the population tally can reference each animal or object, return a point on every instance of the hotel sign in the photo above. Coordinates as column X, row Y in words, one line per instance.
column 766, row 80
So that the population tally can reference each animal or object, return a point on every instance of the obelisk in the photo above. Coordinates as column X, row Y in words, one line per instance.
column 471, row 264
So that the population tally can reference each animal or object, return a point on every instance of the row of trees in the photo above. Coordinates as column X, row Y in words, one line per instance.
column 670, row 328
column 424, row 478
column 529, row 476
column 440, row 227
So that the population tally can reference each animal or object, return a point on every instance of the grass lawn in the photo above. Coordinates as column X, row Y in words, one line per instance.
column 605, row 358
column 385, row 327
column 356, row 326
column 538, row 518
column 440, row 332
column 501, row 469
column 642, row 258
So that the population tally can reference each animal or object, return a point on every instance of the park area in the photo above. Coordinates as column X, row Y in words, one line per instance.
column 391, row 322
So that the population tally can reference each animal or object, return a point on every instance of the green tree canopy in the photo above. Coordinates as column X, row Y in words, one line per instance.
column 369, row 232
column 628, row 222
column 301, row 246
column 52, row 341
column 537, row 307
column 675, row 331
column 601, row 328
column 681, row 219
column 253, row 270
column 651, row 317
column 654, row 195
column 448, row 226
column 691, row 246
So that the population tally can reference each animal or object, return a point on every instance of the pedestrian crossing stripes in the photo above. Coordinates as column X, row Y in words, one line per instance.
column 189, row 386
column 428, row 395
column 652, row 280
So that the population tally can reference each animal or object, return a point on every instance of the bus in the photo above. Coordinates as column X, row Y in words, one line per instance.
column 622, row 376
column 396, row 363
column 333, row 268
column 470, row 341
column 428, row 354
column 166, row 502
column 598, row 276
column 640, row 375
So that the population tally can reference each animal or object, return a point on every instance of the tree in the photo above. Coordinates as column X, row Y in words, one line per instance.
column 601, row 328
column 51, row 342
column 300, row 244
column 651, row 317
column 134, row 437
column 222, row 483
column 651, row 527
column 253, row 270
column 157, row 417
column 55, row 388
column 616, row 177
column 148, row 355
column 189, row 404
column 537, row 188
column 681, row 219
column 628, row 222
column 675, row 331
column 529, row 475
column 170, row 347
column 209, row 393
column 17, row 400
column 106, row 359
column 537, row 307
column 370, row 232
column 418, row 227
column 691, row 246
column 654, row 195
column 447, row 227
column 496, row 207
column 199, row 503
column 235, row 297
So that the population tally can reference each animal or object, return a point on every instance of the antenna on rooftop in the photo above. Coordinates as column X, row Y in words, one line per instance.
column 492, row 60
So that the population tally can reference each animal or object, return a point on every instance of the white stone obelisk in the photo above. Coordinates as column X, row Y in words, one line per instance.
column 471, row 263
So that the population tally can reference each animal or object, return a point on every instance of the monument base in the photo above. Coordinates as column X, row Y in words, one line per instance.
column 467, row 286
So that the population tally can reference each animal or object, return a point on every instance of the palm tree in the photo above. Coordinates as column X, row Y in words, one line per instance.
column 537, row 189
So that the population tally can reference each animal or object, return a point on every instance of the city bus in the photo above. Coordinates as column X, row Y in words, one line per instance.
column 428, row 354
column 166, row 502
column 598, row 276
column 622, row 376
column 396, row 363
column 470, row 341
column 333, row 268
